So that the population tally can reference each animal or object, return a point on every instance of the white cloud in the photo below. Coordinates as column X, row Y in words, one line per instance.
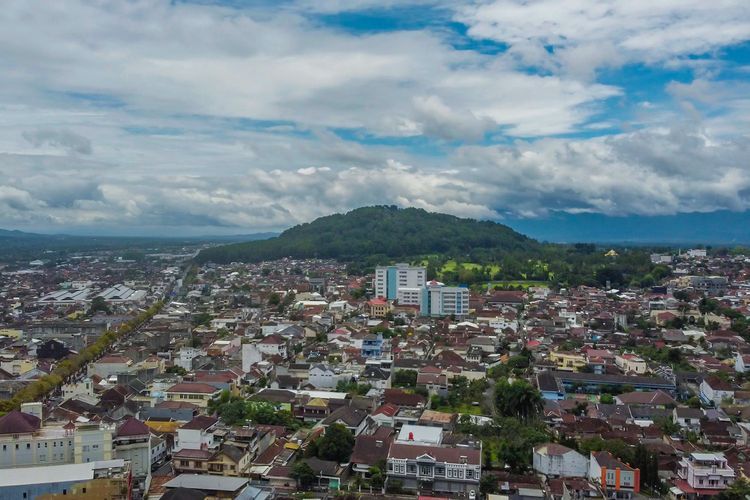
column 589, row 34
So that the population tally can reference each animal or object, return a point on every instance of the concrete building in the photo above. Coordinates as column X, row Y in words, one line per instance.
column 25, row 442
column 105, row 480
column 441, row 300
column 132, row 442
column 389, row 279
column 704, row 474
column 556, row 460
column 451, row 470
column 619, row 480
column 714, row 391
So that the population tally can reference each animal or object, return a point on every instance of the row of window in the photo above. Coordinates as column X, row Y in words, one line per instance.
column 39, row 445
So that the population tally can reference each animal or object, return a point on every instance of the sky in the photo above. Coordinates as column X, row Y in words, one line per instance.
column 210, row 117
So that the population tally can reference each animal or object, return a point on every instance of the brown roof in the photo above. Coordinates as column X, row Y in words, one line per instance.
column 200, row 422
column 193, row 388
column 16, row 422
column 188, row 453
column 642, row 398
column 133, row 427
column 439, row 453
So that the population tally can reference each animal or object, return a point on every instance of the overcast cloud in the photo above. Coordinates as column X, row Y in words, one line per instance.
column 150, row 114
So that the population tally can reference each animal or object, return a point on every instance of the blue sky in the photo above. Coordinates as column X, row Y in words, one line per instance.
column 157, row 116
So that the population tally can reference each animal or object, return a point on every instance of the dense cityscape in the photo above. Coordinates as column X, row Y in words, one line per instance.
column 150, row 375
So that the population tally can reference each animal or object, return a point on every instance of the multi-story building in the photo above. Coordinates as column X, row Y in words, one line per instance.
column 436, row 468
column 616, row 478
column 372, row 345
column 704, row 474
column 97, row 479
column 441, row 300
column 132, row 442
column 389, row 279
column 24, row 442
column 410, row 296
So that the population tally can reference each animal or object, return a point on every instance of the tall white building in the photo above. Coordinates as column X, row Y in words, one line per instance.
column 389, row 279
column 441, row 300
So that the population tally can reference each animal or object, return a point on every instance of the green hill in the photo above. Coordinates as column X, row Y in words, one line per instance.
column 369, row 232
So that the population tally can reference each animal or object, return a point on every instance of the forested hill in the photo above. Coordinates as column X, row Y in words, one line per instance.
column 381, row 231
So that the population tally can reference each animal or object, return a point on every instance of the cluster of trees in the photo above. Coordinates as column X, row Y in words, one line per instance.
column 336, row 444
column 370, row 236
column 352, row 387
column 66, row 368
column 235, row 410
column 404, row 378
column 518, row 399
column 376, row 234
column 461, row 392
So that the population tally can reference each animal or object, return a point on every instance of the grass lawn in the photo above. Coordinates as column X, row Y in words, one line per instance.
column 463, row 408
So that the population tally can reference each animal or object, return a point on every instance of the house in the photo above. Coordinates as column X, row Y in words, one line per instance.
column 704, row 474
column 196, row 434
column 630, row 363
column 376, row 377
column 713, row 391
column 273, row 345
column 613, row 476
column 193, row 392
column 230, row 460
column 556, row 460
column 371, row 450
column 687, row 418
column 323, row 377
column 443, row 469
column 352, row 418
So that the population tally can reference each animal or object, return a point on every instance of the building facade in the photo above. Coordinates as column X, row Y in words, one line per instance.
column 441, row 300
column 389, row 279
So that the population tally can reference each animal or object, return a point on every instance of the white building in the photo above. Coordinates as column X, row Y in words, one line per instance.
column 706, row 471
column 196, row 434
column 323, row 377
column 389, row 279
column 250, row 356
column 714, row 390
column 556, row 460
column 273, row 345
column 441, row 300
column 410, row 296
column 742, row 363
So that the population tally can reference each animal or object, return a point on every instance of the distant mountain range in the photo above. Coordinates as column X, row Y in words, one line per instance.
column 385, row 231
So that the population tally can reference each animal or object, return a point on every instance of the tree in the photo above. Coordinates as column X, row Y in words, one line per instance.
column 518, row 399
column 99, row 304
column 607, row 399
column 488, row 484
column 739, row 490
column 303, row 474
column 336, row 444
column 405, row 378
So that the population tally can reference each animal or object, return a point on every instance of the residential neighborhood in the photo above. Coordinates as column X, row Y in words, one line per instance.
column 265, row 380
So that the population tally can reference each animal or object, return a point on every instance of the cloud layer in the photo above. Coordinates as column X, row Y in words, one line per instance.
column 181, row 115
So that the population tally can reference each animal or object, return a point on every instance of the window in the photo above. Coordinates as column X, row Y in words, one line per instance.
column 28, row 446
column 425, row 470
column 439, row 471
column 469, row 473
column 411, row 469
